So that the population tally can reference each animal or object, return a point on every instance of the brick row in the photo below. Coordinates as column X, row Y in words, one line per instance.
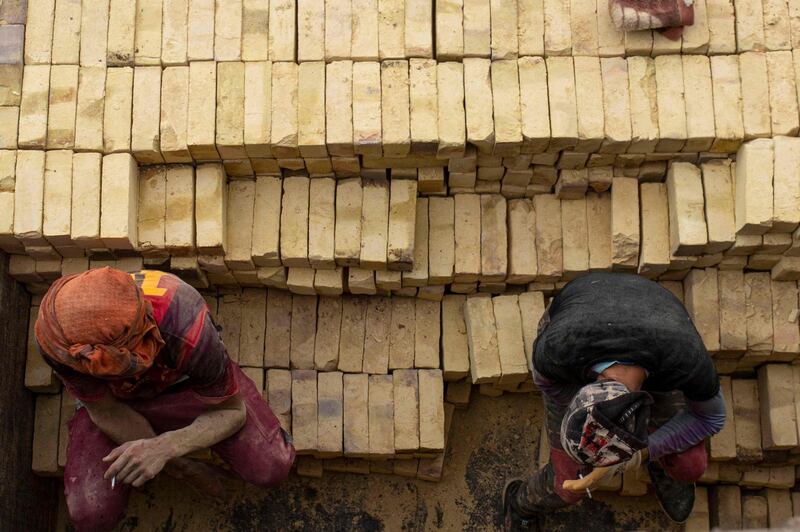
column 175, row 32
column 495, row 124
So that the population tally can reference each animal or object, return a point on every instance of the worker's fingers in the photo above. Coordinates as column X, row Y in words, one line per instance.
column 141, row 479
column 116, row 452
column 117, row 466
column 129, row 472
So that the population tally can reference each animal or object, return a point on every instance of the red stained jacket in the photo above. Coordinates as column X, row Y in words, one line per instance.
column 193, row 351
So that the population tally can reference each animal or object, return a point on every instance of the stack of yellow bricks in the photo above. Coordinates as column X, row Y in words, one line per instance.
column 380, row 197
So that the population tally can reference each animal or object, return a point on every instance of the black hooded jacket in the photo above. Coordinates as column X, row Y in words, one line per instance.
column 614, row 316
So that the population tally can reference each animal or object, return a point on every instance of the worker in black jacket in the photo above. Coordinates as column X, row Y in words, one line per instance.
column 625, row 378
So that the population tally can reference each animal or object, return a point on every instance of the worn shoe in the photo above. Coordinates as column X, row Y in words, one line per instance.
column 676, row 497
column 513, row 521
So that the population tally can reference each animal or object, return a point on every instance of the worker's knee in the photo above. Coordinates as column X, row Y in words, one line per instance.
column 687, row 466
column 272, row 470
column 569, row 497
column 86, row 517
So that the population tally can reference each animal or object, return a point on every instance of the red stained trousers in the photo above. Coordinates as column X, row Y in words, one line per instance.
column 542, row 492
column 260, row 453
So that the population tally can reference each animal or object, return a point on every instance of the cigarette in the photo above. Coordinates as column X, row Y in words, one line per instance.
column 588, row 491
column 114, row 481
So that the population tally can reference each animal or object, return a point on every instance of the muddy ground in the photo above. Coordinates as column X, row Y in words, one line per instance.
column 495, row 439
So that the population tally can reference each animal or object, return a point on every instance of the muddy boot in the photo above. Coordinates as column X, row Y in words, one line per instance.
column 513, row 520
column 676, row 497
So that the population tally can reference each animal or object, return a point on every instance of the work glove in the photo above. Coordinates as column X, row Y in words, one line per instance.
column 667, row 15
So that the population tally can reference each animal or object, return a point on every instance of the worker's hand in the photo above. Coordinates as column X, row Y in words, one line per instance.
column 639, row 459
column 582, row 484
column 136, row 462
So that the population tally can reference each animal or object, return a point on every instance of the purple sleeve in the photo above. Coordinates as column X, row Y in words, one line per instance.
column 701, row 420
column 560, row 393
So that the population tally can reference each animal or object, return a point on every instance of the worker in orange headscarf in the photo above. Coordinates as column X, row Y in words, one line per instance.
column 142, row 356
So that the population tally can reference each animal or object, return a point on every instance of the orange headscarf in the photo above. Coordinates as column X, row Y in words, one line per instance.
column 98, row 323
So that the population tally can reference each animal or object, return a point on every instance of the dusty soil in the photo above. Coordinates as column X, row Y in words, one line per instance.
column 495, row 439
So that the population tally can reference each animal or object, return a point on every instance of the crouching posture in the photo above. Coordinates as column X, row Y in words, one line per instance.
column 143, row 358
column 625, row 378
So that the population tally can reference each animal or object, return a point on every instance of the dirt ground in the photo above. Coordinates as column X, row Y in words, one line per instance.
column 495, row 439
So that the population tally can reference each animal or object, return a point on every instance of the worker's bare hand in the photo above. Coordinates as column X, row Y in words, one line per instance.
column 136, row 462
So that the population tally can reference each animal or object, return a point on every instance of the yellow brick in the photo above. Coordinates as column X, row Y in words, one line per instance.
column 257, row 108
column 451, row 120
column 330, row 414
column 700, row 106
column 311, row 110
column 339, row 108
column 755, row 95
column 727, row 103
column 118, row 110
column 505, row 90
column 62, row 107
column 549, row 245
column 557, row 31
column 228, row 21
column 688, row 232
column 782, row 93
column 418, row 276
column 230, row 110
column 655, row 250
column 753, row 189
column 482, row 337
column 395, row 133
column 284, row 110
column 513, row 364
column 200, row 37
column 402, row 218
column 441, row 240
column 119, row 203
column 749, row 26
column 174, row 115
column 534, row 108
column 201, row 121
column 351, row 340
column 94, row 30
column 625, row 236
column 311, row 30
column 33, row 108
column 86, row 186
column 175, row 33
column 321, row 223
column 575, row 238
column 671, row 104
column 282, row 30
column 589, row 101
column 347, row 247
column 66, row 33
column 563, row 110
column 721, row 27
column 239, row 224
column 147, row 43
column 304, row 410
column 145, row 124
column 121, row 29
column 294, row 222
column 338, row 29
column 367, row 137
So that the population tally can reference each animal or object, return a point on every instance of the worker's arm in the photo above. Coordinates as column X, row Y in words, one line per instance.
column 686, row 429
column 143, row 454
column 559, row 392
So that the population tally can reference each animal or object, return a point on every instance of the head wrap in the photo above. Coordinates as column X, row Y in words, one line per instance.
column 98, row 323
column 605, row 424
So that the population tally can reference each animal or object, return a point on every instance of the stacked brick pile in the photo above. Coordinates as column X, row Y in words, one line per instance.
column 378, row 200
column 351, row 378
